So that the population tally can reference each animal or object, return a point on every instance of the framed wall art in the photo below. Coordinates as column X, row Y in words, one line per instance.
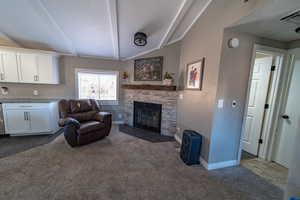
column 148, row 69
column 194, row 75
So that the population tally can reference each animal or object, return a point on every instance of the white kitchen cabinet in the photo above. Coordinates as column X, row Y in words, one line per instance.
column 30, row 118
column 39, row 120
column 28, row 66
column 8, row 67
column 28, row 69
column 15, row 121
column 47, row 69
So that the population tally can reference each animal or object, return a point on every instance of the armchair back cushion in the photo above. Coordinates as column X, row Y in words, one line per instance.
column 81, row 110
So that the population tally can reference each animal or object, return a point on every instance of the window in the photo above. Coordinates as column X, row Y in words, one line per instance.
column 100, row 85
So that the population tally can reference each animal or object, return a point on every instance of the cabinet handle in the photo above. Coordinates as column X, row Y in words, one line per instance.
column 2, row 76
column 37, row 78
column 25, row 116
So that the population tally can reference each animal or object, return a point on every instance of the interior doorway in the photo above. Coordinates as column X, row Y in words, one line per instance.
column 260, row 82
column 262, row 105
column 262, row 111
column 289, row 119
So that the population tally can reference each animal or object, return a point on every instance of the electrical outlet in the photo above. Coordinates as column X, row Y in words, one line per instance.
column 180, row 96
column 35, row 92
column 120, row 116
column 220, row 103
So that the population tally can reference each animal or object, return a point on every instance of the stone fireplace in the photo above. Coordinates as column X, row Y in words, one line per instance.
column 147, row 116
column 167, row 100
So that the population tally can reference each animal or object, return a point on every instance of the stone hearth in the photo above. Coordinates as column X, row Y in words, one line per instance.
column 168, row 100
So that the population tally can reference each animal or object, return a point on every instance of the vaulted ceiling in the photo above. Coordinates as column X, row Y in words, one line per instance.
column 98, row 28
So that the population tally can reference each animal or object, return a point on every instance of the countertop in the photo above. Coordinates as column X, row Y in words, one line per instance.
column 26, row 100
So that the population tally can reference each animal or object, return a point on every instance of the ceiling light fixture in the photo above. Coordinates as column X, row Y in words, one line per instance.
column 140, row 39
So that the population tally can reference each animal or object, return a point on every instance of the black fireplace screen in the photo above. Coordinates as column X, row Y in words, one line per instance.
column 147, row 116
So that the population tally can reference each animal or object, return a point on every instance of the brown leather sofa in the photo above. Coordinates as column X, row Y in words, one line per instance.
column 83, row 121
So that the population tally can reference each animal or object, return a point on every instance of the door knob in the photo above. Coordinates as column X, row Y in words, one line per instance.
column 285, row 116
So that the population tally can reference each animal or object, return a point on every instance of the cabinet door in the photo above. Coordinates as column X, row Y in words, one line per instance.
column 40, row 120
column 16, row 121
column 28, row 68
column 45, row 68
column 9, row 67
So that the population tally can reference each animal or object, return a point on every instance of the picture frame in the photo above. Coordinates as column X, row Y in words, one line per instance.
column 194, row 75
column 148, row 69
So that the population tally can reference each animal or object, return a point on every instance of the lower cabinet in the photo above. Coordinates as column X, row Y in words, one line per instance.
column 30, row 118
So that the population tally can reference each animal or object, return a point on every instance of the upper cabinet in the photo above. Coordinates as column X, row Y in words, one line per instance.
column 8, row 67
column 27, row 67
column 21, row 66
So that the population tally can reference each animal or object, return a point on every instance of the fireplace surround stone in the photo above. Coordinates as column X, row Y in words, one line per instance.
column 168, row 100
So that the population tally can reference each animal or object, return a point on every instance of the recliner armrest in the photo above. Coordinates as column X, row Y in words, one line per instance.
column 69, row 121
column 103, row 117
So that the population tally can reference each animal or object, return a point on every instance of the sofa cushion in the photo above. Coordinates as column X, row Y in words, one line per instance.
column 78, row 106
column 90, row 126
column 84, row 116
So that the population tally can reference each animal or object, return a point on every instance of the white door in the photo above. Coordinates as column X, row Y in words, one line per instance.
column 290, row 121
column 39, row 120
column 28, row 67
column 16, row 121
column 256, row 106
column 45, row 68
column 9, row 67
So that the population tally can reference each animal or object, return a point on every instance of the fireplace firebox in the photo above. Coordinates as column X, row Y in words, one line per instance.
column 147, row 116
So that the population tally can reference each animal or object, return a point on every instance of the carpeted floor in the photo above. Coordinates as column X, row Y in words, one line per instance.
column 13, row 145
column 271, row 171
column 122, row 167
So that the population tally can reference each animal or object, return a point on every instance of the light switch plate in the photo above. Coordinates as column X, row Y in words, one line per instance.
column 220, row 103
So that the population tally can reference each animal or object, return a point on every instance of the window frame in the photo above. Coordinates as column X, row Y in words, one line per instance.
column 98, row 71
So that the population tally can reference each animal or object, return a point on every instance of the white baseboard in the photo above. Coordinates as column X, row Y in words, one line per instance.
column 219, row 165
column 177, row 138
column 212, row 166
column 204, row 163
column 118, row 122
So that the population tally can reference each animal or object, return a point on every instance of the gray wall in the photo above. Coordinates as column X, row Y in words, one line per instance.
column 66, row 89
column 171, row 56
column 195, row 110
column 234, row 72
column 67, row 64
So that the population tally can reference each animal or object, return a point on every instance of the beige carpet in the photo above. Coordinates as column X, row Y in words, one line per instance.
column 270, row 171
column 122, row 167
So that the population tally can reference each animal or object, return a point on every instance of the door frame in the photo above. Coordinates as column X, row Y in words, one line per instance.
column 286, row 82
column 271, row 115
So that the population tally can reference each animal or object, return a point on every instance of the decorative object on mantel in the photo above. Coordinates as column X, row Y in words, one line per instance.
column 148, row 69
column 149, row 87
column 168, row 79
column 125, row 77
column 140, row 39
column 194, row 75
column 4, row 90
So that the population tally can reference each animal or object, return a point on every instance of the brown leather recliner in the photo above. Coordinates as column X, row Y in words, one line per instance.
column 83, row 121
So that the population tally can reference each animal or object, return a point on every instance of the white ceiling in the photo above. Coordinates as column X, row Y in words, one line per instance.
column 98, row 28
column 265, row 21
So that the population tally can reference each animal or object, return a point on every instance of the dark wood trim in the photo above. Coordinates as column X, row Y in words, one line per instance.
column 149, row 87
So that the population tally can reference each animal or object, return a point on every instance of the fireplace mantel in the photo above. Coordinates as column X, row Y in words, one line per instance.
column 149, row 87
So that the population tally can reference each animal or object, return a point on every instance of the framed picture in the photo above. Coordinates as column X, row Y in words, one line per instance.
column 194, row 75
column 148, row 69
